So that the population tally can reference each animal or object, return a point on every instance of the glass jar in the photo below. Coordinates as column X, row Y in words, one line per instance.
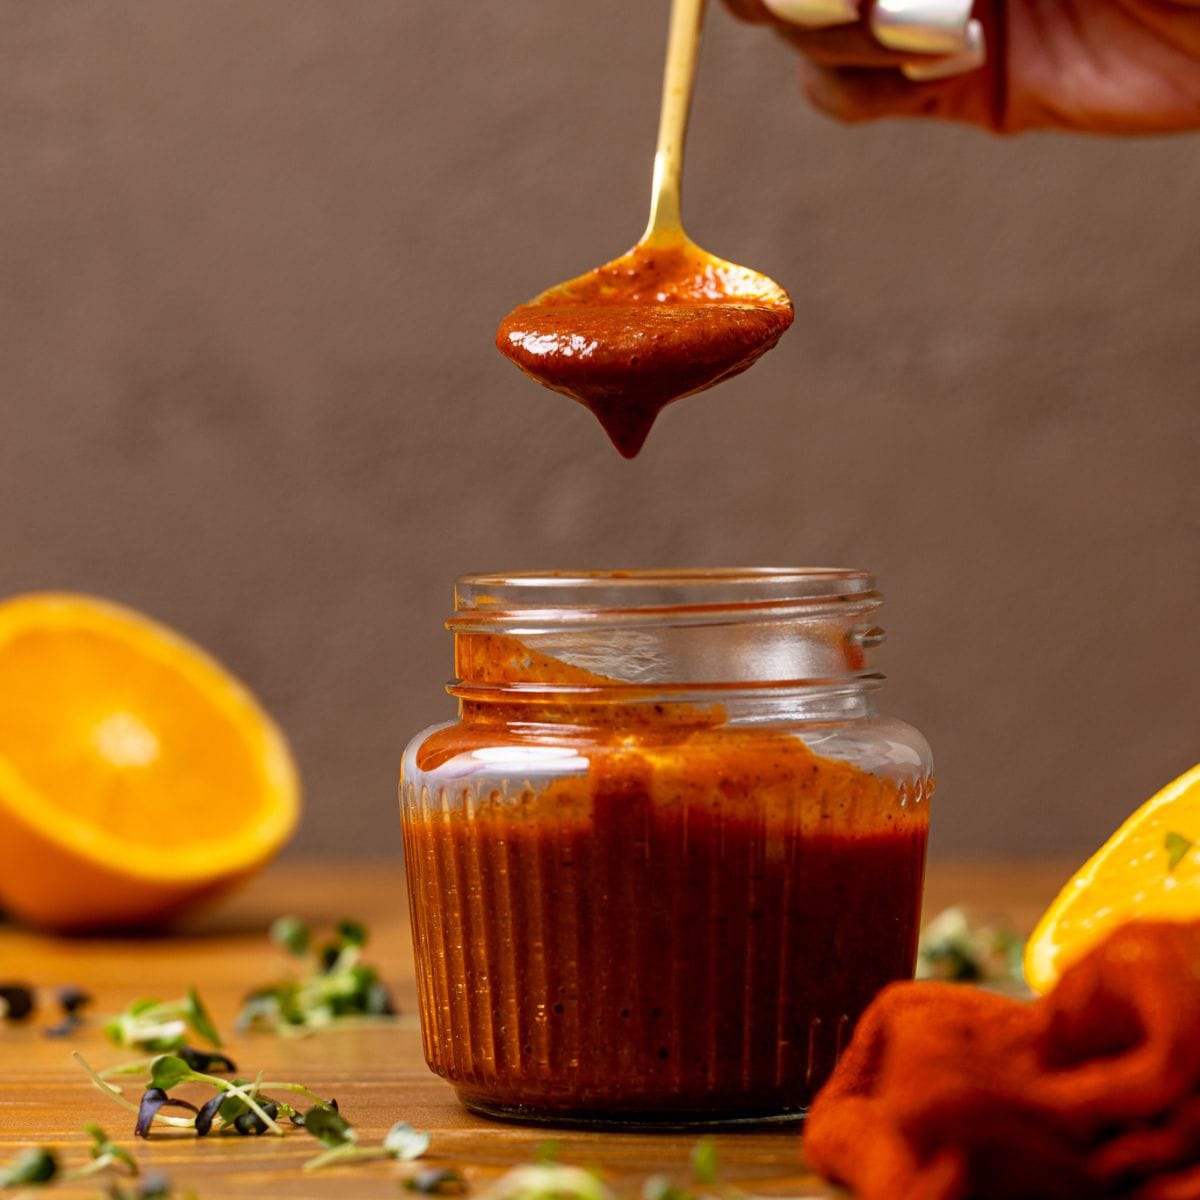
column 668, row 852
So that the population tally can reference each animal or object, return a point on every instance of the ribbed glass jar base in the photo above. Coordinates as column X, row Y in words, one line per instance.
column 648, row 1122
column 649, row 960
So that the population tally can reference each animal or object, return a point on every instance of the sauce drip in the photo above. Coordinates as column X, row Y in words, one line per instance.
column 657, row 324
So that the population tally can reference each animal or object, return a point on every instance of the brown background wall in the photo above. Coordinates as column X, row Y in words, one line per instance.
column 252, row 255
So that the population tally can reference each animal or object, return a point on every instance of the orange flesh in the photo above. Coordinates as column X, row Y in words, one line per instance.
column 123, row 743
column 626, row 340
column 137, row 777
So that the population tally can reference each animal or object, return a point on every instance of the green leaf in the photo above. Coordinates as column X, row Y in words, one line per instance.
column 704, row 1161
column 659, row 1187
column 292, row 934
column 960, row 948
column 330, row 1128
column 33, row 1165
column 199, row 1020
column 352, row 933
column 404, row 1142
column 547, row 1181
column 335, row 986
column 168, row 1071
column 1176, row 846
column 104, row 1147
column 233, row 1107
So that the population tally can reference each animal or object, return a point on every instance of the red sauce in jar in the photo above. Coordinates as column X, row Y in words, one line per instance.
column 626, row 340
column 686, row 933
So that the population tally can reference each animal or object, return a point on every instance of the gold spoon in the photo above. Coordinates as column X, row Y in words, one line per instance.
column 667, row 319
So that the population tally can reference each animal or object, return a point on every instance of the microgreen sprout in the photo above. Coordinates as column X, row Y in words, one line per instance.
column 240, row 1106
column 660, row 1187
column 155, row 1186
column 402, row 1142
column 548, row 1181
column 105, row 1155
column 960, row 948
column 36, row 1165
column 154, row 1100
column 151, row 1024
column 705, row 1166
column 335, row 986
column 705, row 1171
column 32, row 1166
column 292, row 934
column 72, row 1000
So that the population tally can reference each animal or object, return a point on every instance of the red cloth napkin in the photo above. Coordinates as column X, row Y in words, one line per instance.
column 947, row 1092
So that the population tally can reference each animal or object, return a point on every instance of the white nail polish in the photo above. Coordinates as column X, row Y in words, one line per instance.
column 970, row 58
column 814, row 14
column 922, row 26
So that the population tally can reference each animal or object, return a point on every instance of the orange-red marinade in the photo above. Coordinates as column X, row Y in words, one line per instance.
column 629, row 338
column 690, row 929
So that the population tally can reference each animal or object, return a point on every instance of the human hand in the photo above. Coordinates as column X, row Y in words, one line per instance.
column 1102, row 66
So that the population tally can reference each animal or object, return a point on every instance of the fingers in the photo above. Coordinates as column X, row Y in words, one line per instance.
column 813, row 14
column 856, row 94
column 845, row 46
column 749, row 10
column 874, row 58
column 885, row 33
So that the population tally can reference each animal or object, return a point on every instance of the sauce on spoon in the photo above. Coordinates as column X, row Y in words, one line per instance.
column 658, row 324
column 664, row 321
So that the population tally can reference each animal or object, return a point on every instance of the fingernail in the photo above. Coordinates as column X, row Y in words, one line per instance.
column 922, row 26
column 814, row 14
column 970, row 58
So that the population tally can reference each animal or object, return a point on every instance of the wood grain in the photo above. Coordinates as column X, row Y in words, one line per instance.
column 378, row 1074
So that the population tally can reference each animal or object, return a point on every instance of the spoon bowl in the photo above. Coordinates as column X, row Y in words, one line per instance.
column 663, row 321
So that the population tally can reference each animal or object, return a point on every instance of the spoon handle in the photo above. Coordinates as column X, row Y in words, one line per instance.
column 683, row 49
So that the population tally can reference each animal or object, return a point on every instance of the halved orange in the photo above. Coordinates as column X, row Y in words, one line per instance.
column 1149, row 868
column 137, row 776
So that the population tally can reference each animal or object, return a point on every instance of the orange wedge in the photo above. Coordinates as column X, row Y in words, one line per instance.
column 1149, row 868
column 137, row 777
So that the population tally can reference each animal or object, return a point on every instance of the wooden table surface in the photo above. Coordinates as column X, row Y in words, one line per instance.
column 378, row 1075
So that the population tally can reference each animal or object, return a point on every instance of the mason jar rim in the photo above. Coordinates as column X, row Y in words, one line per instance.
column 681, row 595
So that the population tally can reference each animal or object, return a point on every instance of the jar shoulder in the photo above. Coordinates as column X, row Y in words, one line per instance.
column 880, row 744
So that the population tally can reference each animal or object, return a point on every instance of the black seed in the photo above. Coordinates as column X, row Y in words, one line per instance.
column 16, row 1001
column 154, row 1186
column 72, row 999
column 436, row 1181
